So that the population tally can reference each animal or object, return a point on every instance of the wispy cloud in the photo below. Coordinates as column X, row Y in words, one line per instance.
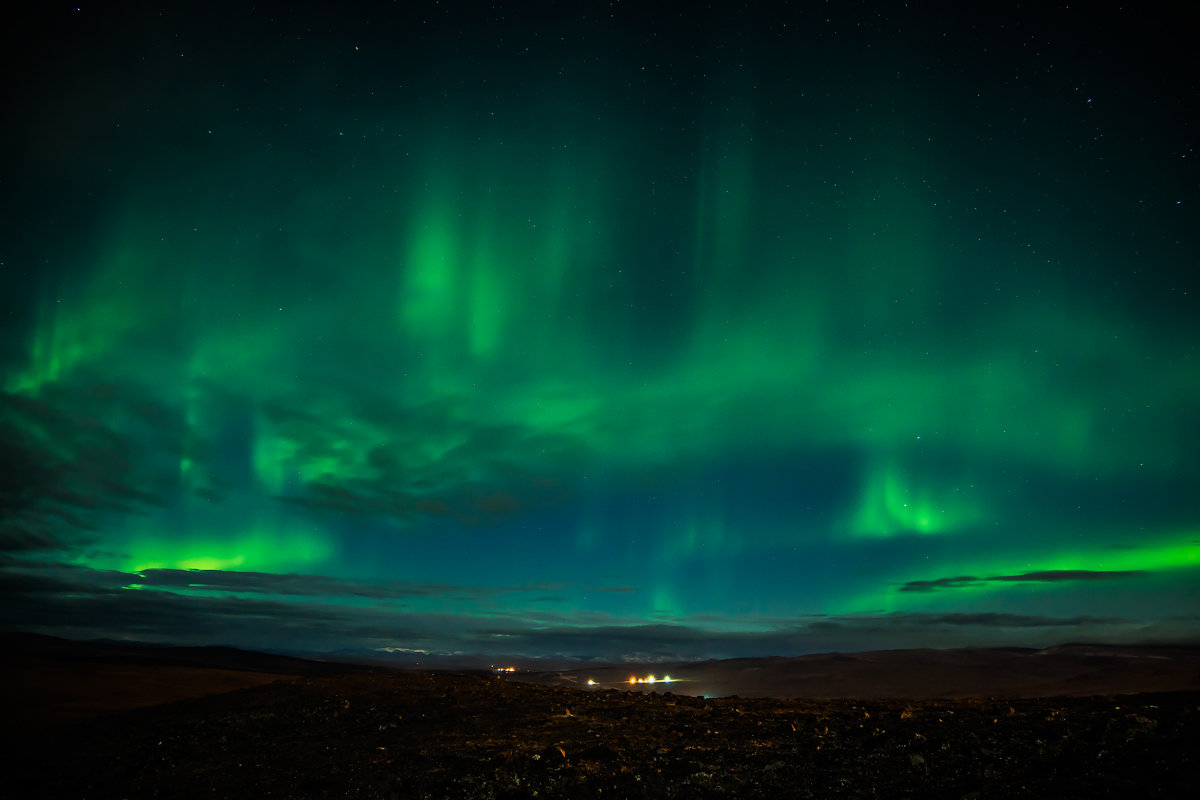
column 1054, row 575
column 1040, row 576
column 317, row 585
column 941, row 583
column 76, row 456
column 293, row 613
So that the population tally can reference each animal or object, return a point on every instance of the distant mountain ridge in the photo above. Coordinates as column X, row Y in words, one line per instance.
column 1064, row 670
column 27, row 646
column 1074, row 669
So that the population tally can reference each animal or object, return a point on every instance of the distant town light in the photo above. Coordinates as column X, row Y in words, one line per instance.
column 650, row 679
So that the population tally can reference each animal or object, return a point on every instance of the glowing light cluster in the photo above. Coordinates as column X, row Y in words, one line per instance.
column 650, row 680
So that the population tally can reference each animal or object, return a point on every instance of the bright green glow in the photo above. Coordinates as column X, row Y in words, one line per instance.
column 487, row 306
column 78, row 325
column 48, row 354
column 893, row 504
column 188, row 477
column 312, row 449
column 192, row 563
column 432, row 282
column 1166, row 556
column 265, row 550
column 665, row 605
column 272, row 457
column 1181, row 553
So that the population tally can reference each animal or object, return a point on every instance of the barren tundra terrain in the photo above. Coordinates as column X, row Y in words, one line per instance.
column 377, row 734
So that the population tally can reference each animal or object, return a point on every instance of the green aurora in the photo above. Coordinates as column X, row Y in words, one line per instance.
column 599, row 335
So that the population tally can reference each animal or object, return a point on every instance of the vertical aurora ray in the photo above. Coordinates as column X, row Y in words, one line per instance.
column 80, row 324
column 431, row 285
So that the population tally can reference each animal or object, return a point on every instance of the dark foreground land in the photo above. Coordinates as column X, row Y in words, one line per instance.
column 382, row 735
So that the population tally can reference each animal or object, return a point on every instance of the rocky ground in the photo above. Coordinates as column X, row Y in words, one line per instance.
column 479, row 736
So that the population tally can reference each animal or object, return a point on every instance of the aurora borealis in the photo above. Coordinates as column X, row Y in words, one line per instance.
column 601, row 331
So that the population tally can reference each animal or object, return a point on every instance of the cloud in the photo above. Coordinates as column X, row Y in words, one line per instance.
column 383, row 459
column 301, row 614
column 1041, row 576
column 1053, row 575
column 26, row 534
column 940, row 583
column 684, row 642
column 1000, row 620
column 17, row 573
column 316, row 585
column 86, row 604
column 75, row 456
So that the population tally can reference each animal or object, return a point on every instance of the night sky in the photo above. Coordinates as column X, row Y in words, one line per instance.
column 613, row 331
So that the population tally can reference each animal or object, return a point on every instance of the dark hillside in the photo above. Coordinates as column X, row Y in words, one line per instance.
column 427, row 736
